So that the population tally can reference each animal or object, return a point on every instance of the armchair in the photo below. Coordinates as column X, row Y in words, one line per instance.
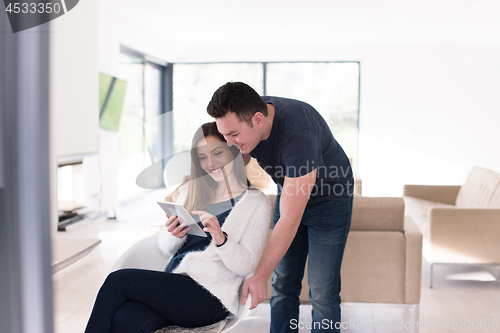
column 459, row 224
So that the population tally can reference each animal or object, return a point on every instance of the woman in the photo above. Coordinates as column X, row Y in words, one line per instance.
column 200, row 284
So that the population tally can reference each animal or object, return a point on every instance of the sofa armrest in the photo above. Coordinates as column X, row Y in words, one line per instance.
column 378, row 214
column 465, row 235
column 441, row 193
column 413, row 267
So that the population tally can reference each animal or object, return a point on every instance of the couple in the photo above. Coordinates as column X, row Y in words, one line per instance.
column 282, row 134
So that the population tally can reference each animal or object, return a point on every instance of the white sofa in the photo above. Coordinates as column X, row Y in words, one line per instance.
column 459, row 224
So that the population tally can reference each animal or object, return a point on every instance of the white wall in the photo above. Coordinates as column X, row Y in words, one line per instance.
column 74, row 99
column 74, row 93
column 428, row 111
column 428, row 114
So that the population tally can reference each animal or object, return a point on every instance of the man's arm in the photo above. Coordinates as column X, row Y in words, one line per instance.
column 293, row 201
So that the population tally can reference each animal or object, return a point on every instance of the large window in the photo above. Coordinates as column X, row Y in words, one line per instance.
column 148, row 133
column 331, row 87
column 139, row 133
column 193, row 87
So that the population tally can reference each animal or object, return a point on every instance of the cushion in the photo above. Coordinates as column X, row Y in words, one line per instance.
column 495, row 198
column 478, row 188
column 418, row 209
column 257, row 176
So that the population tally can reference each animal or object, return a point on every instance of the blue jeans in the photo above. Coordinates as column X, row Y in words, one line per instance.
column 322, row 234
column 135, row 300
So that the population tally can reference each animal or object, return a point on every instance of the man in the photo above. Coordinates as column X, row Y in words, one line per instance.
column 294, row 145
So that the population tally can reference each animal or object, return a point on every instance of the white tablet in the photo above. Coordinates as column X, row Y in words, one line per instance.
column 176, row 209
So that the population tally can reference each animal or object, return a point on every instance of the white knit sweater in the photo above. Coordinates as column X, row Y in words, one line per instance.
column 221, row 270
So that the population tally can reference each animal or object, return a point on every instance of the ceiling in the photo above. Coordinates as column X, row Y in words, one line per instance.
column 316, row 21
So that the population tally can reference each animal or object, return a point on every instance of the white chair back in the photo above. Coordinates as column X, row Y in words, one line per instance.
column 144, row 254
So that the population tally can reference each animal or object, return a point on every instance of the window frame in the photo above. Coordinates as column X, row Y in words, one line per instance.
column 264, row 83
column 166, row 93
column 167, row 98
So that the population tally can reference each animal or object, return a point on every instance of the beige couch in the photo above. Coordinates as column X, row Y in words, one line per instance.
column 383, row 255
column 460, row 224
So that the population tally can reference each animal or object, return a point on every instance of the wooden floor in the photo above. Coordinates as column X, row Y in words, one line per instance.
column 468, row 297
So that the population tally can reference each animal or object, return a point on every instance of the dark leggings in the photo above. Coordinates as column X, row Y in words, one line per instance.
column 135, row 300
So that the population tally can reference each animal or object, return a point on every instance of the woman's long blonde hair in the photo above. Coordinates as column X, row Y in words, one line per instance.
column 201, row 187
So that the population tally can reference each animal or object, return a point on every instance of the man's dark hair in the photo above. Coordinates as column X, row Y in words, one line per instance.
column 239, row 98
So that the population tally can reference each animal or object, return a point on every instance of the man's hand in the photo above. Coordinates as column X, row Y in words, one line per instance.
column 257, row 287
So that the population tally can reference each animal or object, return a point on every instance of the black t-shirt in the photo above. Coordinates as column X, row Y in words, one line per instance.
column 301, row 141
column 196, row 243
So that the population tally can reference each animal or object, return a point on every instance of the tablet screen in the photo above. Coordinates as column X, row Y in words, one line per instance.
column 176, row 209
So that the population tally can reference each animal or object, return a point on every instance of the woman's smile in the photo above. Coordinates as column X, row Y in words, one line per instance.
column 216, row 170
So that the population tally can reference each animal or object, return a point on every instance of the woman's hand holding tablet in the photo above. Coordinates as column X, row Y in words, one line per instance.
column 175, row 227
column 178, row 210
